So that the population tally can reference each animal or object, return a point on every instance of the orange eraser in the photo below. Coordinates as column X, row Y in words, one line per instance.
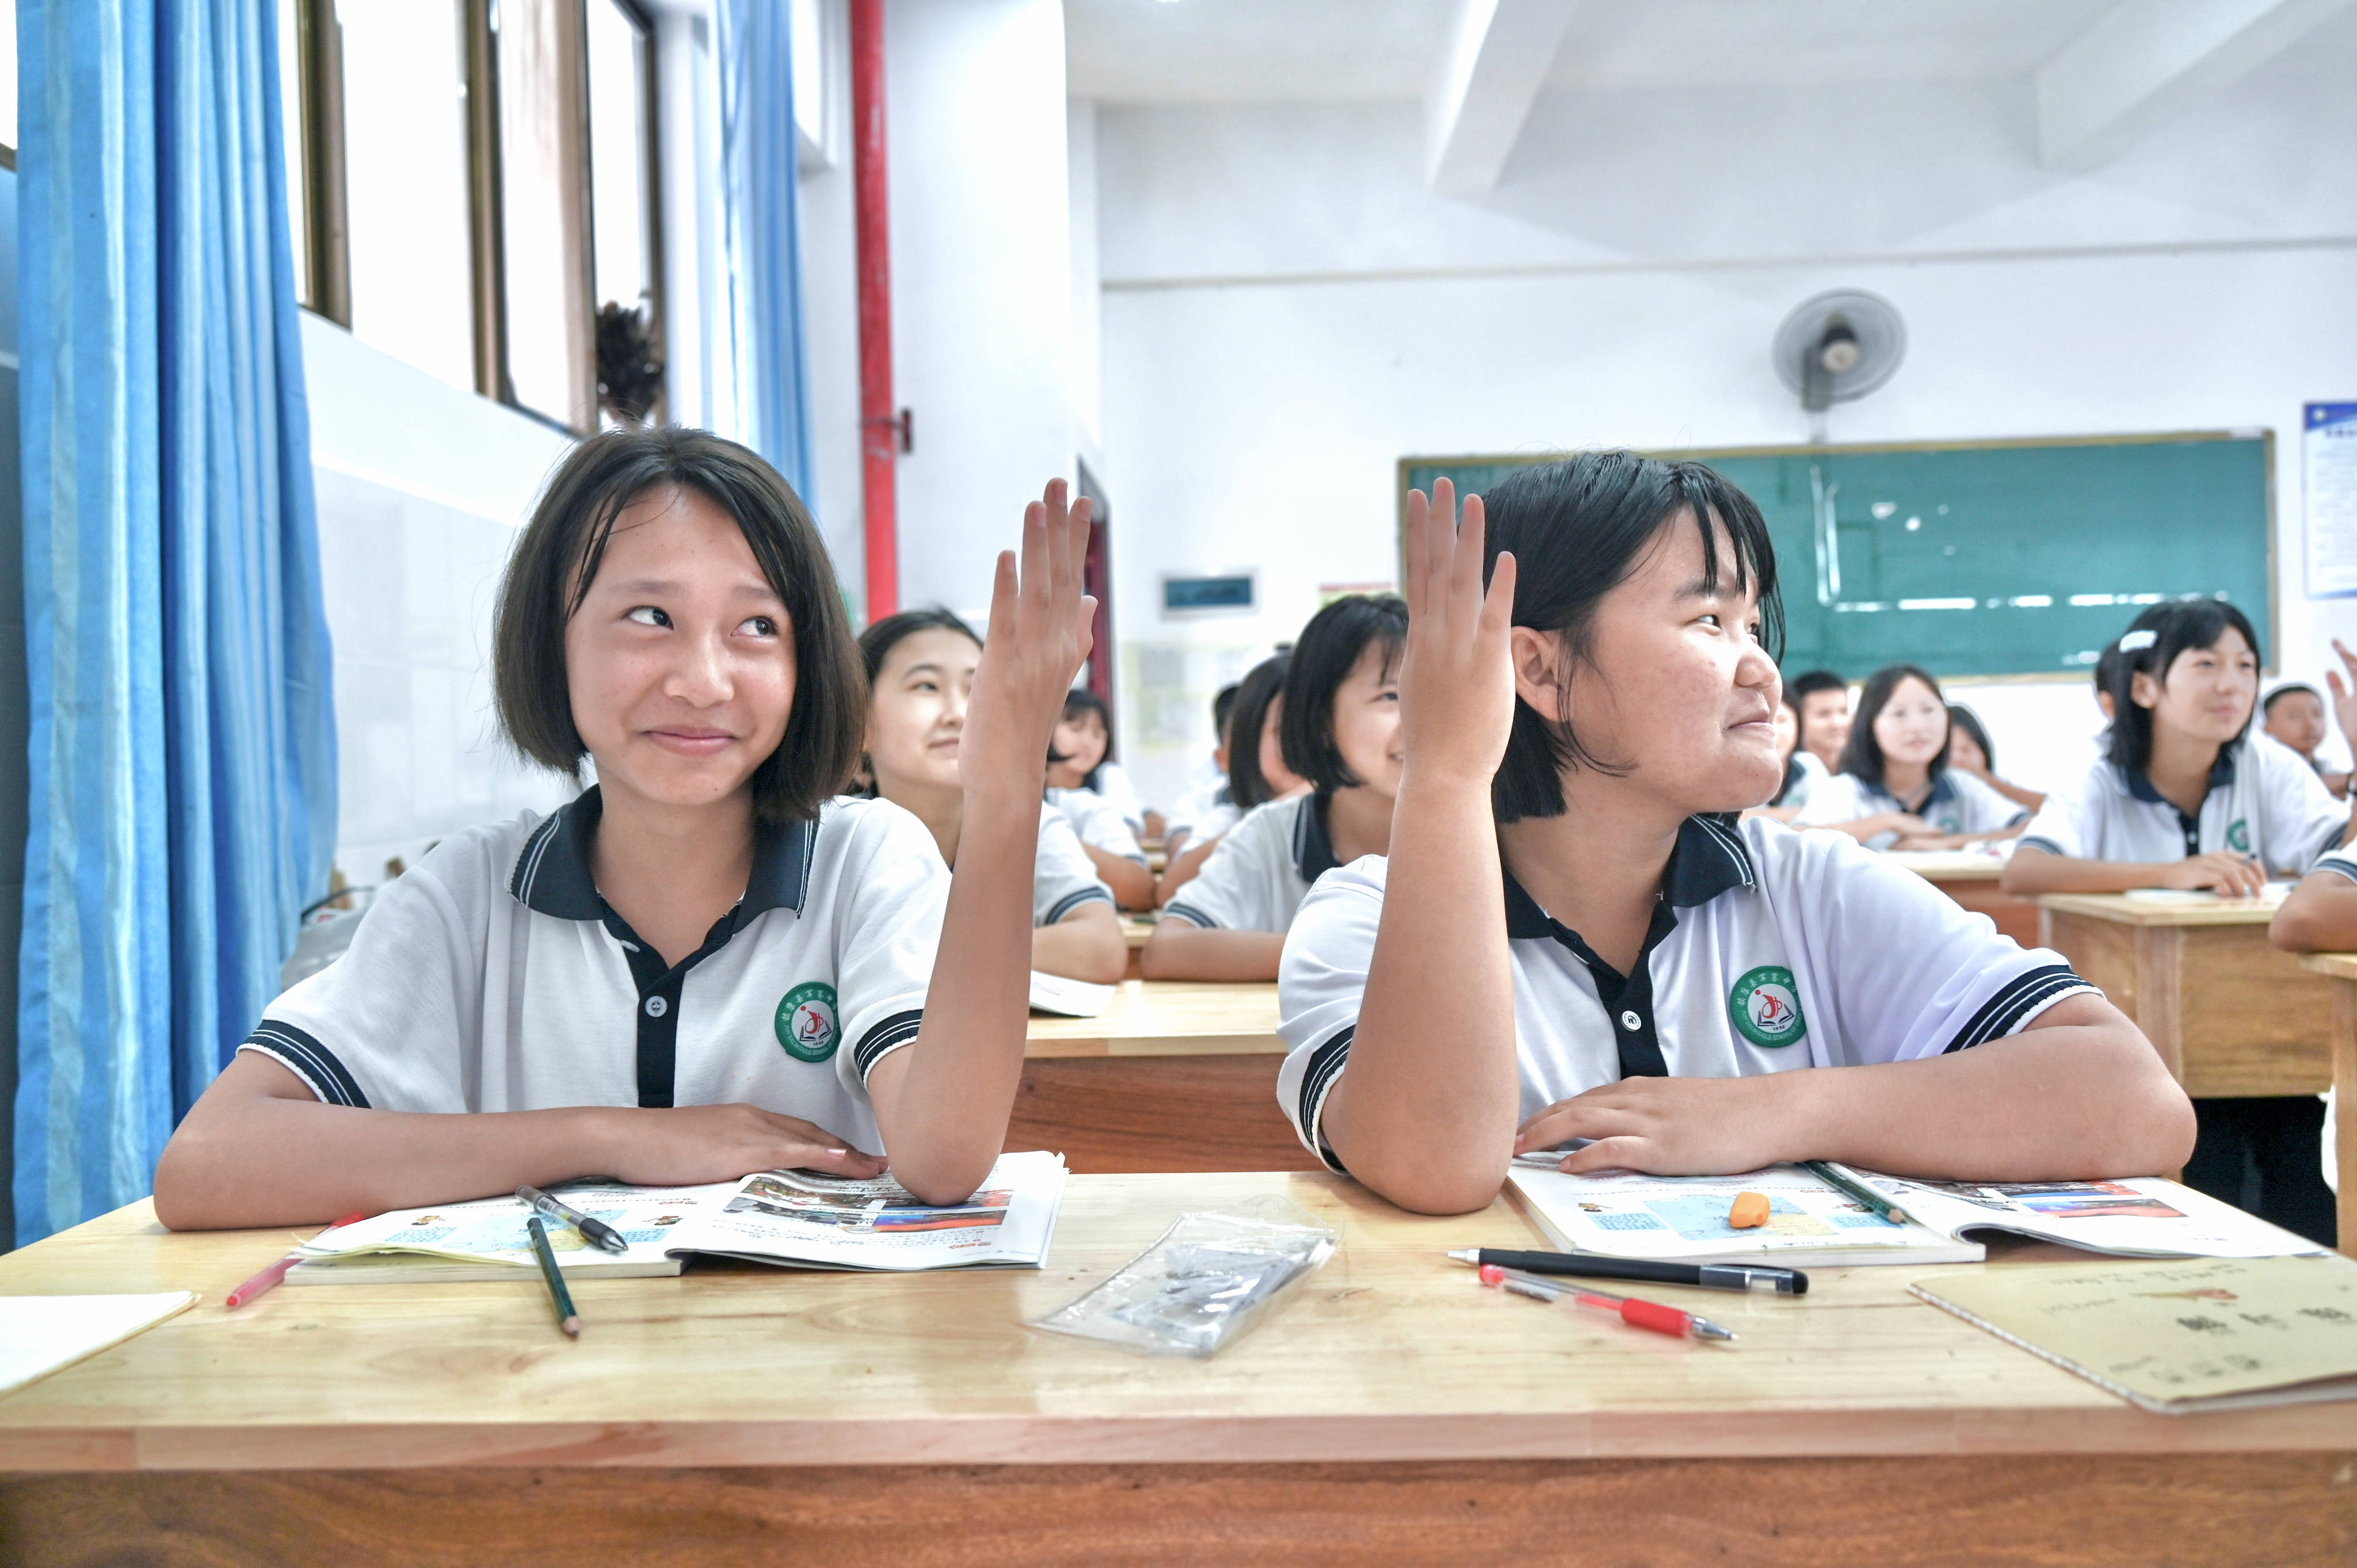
column 1751, row 1211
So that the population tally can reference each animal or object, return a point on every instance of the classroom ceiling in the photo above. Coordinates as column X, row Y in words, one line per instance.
column 1249, row 51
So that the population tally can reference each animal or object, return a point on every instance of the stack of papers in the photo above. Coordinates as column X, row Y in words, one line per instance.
column 792, row 1218
column 42, row 1334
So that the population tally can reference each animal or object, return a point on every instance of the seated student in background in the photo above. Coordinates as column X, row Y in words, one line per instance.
column 1895, row 789
column 2294, row 715
column 922, row 666
column 1340, row 732
column 1256, row 773
column 2186, row 797
column 1108, row 836
column 705, row 965
column 2321, row 915
column 1572, row 937
column 1821, row 700
column 2107, row 672
column 1969, row 751
column 1206, row 808
column 1793, row 792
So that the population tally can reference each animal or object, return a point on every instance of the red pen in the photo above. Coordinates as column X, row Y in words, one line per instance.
column 276, row 1272
column 1629, row 1309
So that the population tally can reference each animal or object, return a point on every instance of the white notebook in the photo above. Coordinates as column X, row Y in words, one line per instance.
column 1813, row 1225
column 42, row 1334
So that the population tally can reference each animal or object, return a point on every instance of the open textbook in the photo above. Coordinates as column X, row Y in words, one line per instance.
column 794, row 1218
column 1810, row 1224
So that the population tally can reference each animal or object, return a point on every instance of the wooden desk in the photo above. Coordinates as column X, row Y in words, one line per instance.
column 1971, row 880
column 1389, row 1411
column 2229, row 1013
column 2340, row 968
column 1177, row 1075
column 1136, row 931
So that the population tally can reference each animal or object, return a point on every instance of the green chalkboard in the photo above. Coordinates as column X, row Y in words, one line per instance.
column 2001, row 558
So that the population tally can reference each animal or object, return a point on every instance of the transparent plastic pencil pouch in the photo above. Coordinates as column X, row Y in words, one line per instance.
column 1205, row 1281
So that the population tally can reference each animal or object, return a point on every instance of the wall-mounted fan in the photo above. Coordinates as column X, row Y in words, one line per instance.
column 1839, row 345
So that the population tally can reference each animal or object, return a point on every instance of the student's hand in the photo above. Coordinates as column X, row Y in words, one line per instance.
column 1457, row 675
column 2232, row 875
column 2344, row 694
column 1040, row 635
column 698, row 1143
column 1664, row 1127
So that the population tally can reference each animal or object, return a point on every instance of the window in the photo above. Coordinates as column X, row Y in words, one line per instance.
column 469, row 180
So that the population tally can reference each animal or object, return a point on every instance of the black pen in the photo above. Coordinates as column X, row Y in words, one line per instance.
column 596, row 1231
column 1581, row 1266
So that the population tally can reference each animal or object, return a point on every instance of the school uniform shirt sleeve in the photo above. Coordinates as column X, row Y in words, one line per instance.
column 2070, row 822
column 2298, row 818
column 887, row 926
column 1240, row 887
column 1113, row 784
column 1979, row 808
column 1098, row 823
column 1887, row 967
column 1063, row 877
column 1834, row 798
column 1321, row 982
column 395, row 1024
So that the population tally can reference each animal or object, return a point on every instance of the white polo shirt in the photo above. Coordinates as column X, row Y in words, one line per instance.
column 1257, row 875
column 1769, row 950
column 1958, row 803
column 1063, row 877
column 494, row 977
column 1098, row 822
column 2264, row 802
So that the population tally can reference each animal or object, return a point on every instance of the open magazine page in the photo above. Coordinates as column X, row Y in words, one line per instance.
column 2136, row 1217
column 802, row 1219
column 491, row 1230
column 1629, row 1215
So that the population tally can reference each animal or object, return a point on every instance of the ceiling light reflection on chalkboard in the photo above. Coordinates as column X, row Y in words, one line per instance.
column 1938, row 604
column 2031, row 601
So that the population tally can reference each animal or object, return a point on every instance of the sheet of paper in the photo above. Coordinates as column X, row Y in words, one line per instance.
column 491, row 1230
column 41, row 1333
column 2162, row 1332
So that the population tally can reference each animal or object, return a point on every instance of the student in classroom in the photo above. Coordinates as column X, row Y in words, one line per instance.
column 922, row 666
column 1207, row 808
column 2321, row 915
column 705, row 965
column 1895, row 789
column 2186, row 797
column 1822, row 699
column 1793, row 792
column 1338, row 730
column 2293, row 714
column 2107, row 671
column 1969, row 751
column 1108, row 836
column 1256, row 773
column 1586, row 944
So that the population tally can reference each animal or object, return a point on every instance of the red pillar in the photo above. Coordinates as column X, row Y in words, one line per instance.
column 878, row 428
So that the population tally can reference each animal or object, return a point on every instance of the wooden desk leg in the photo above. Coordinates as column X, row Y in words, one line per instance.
column 2344, row 1106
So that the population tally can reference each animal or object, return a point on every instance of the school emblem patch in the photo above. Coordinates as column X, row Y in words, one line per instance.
column 806, row 1022
column 1765, row 1007
column 2238, row 836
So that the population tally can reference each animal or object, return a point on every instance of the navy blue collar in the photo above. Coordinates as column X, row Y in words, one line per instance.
column 2140, row 782
column 1943, row 791
column 552, row 876
column 1313, row 849
column 1707, row 860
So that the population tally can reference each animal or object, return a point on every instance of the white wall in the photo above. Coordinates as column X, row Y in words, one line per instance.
column 1288, row 312
column 982, row 307
column 421, row 489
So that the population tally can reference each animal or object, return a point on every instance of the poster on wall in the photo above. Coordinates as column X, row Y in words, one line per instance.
column 2327, row 447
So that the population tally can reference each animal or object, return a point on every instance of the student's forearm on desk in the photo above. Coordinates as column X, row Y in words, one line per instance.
column 2033, row 871
column 1426, row 1116
column 1181, row 950
column 942, row 1102
column 257, row 1149
column 1132, row 883
column 1182, row 868
column 1088, row 944
column 2320, row 915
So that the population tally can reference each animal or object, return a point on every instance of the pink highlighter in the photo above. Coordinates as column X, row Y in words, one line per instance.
column 269, row 1277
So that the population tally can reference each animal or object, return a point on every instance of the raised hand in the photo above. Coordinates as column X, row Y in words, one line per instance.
column 2344, row 693
column 1457, row 675
column 1038, row 636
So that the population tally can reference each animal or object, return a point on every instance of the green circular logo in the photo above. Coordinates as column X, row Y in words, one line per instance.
column 2238, row 836
column 1765, row 1007
column 806, row 1022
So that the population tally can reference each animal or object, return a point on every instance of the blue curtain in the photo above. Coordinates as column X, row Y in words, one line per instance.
column 762, row 329
column 183, row 760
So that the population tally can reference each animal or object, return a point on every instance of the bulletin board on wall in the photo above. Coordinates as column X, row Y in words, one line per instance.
column 1987, row 558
